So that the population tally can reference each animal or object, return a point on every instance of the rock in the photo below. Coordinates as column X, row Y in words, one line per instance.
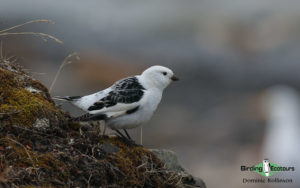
column 170, row 161
column 41, row 123
column 109, row 148
column 168, row 158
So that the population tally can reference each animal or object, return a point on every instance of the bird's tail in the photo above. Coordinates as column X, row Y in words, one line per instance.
column 89, row 117
column 66, row 98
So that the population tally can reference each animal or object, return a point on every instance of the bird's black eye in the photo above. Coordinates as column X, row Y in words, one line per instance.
column 165, row 73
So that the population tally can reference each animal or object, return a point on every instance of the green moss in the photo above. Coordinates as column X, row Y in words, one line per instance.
column 22, row 106
column 23, row 157
column 133, row 162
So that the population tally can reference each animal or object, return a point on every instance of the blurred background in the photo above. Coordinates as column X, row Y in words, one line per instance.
column 238, row 98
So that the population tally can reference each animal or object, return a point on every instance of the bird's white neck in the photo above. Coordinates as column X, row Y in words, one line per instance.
column 151, row 83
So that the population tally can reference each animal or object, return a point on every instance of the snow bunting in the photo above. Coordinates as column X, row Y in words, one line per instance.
column 128, row 103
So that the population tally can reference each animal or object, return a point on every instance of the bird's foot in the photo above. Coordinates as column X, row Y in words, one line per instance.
column 127, row 141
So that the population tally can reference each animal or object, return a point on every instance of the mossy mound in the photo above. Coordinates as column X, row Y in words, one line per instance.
column 24, row 101
column 35, row 159
column 40, row 148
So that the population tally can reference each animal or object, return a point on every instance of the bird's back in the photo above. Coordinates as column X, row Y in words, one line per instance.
column 119, row 97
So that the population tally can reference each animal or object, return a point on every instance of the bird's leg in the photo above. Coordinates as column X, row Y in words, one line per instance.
column 104, row 129
column 141, row 136
column 99, row 128
column 128, row 136
column 128, row 141
column 120, row 134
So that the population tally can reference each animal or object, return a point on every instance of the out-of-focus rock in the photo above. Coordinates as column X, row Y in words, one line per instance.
column 109, row 148
column 168, row 158
column 170, row 161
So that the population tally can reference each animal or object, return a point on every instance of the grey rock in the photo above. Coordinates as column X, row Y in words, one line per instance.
column 199, row 182
column 170, row 161
column 108, row 148
column 41, row 123
column 168, row 158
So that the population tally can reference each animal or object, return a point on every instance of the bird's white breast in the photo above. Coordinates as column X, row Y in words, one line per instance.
column 147, row 106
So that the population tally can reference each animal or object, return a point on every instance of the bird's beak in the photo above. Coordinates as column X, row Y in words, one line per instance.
column 174, row 78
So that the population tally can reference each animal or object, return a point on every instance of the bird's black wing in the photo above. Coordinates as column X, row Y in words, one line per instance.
column 127, row 91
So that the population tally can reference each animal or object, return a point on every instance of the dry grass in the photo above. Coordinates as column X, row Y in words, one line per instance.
column 18, row 143
column 7, row 32
column 68, row 60
column 43, row 36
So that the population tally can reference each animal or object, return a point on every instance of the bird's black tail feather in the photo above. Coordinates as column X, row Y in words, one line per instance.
column 67, row 98
column 89, row 117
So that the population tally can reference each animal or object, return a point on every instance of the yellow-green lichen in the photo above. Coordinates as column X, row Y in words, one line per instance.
column 21, row 106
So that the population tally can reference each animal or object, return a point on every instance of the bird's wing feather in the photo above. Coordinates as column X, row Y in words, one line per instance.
column 102, row 116
column 123, row 95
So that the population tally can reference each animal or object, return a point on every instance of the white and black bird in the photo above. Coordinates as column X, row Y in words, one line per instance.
column 128, row 103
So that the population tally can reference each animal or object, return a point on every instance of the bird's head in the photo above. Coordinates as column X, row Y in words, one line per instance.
column 158, row 76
